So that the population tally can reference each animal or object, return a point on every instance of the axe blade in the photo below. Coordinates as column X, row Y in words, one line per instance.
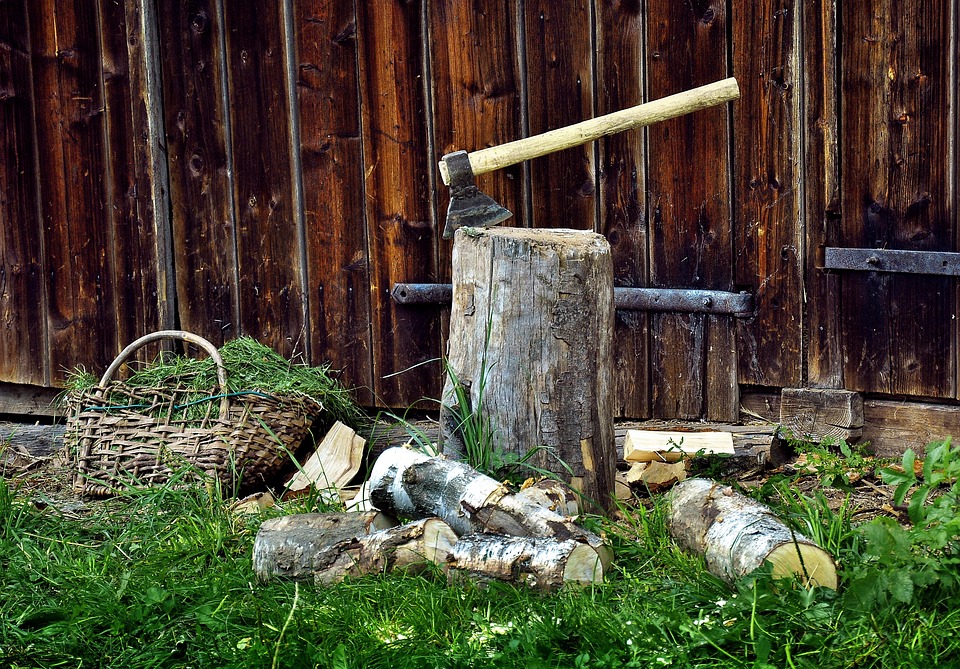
column 476, row 211
column 468, row 206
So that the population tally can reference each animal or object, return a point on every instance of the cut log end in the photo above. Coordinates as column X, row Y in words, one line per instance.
column 584, row 566
column 438, row 541
column 736, row 535
column 808, row 562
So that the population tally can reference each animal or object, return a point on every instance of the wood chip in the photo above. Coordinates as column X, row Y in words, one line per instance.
column 335, row 462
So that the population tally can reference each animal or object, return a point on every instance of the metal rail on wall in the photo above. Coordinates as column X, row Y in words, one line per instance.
column 627, row 299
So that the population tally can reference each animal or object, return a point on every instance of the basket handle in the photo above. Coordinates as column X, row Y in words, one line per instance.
column 174, row 334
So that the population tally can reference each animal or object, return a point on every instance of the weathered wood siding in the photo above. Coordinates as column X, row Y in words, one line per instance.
column 898, row 167
column 271, row 170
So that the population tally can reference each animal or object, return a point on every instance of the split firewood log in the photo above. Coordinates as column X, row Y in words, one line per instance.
column 543, row 563
column 405, row 483
column 332, row 465
column 288, row 546
column 736, row 535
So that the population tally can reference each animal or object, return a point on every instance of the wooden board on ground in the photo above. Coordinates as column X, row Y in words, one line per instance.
column 335, row 462
column 33, row 440
column 815, row 414
column 666, row 446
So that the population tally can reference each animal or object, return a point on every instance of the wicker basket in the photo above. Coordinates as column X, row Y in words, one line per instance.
column 242, row 439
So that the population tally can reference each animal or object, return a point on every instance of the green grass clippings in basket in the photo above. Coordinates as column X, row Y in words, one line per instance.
column 233, row 416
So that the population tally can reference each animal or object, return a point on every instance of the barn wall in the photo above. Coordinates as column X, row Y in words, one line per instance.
column 271, row 171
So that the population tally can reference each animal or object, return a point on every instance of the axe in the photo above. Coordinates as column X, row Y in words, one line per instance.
column 470, row 207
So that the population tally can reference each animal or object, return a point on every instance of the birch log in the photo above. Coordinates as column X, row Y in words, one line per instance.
column 329, row 549
column 736, row 535
column 288, row 546
column 530, row 346
column 405, row 483
column 544, row 563
column 411, row 547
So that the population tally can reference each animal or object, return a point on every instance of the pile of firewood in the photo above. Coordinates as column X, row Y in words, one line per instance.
column 465, row 523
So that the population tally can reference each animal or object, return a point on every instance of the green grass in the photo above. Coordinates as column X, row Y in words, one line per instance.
column 163, row 578
column 250, row 366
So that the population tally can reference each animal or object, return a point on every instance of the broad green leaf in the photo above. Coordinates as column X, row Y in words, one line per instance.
column 900, row 585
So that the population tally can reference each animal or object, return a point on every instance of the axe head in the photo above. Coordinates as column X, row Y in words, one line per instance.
column 468, row 206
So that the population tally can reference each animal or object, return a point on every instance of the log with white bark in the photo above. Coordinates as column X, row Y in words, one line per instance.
column 736, row 535
column 412, row 547
column 543, row 563
column 288, row 546
column 405, row 483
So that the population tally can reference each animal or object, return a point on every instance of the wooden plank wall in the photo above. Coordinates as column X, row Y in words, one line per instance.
column 22, row 353
column 85, row 234
column 898, row 191
column 271, row 171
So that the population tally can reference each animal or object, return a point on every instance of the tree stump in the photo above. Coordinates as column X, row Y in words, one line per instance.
column 530, row 347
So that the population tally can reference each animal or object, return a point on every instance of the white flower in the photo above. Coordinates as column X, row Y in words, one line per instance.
column 721, row 603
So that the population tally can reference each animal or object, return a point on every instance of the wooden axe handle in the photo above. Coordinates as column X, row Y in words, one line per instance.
column 511, row 153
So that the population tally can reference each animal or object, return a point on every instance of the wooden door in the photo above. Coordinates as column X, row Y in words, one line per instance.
column 898, row 164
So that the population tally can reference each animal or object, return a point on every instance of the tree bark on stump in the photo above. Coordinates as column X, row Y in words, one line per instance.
column 736, row 535
column 405, row 483
column 530, row 344
column 544, row 563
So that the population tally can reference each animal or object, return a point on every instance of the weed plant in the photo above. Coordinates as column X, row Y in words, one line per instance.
column 162, row 578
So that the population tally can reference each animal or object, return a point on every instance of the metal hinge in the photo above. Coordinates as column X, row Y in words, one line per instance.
column 627, row 299
column 886, row 260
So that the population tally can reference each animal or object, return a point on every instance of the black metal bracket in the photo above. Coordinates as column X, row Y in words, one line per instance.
column 627, row 299
column 887, row 260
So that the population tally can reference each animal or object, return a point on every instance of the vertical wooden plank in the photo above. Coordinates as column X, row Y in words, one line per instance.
column 694, row 363
column 558, row 35
column 195, row 120
column 766, row 190
column 22, row 351
column 821, row 188
column 77, row 238
column 331, row 154
column 272, row 300
column 620, row 41
column 474, row 64
column 897, row 193
column 400, row 232
column 139, row 236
